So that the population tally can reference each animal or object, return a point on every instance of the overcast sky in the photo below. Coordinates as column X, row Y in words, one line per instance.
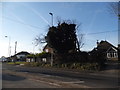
column 23, row 21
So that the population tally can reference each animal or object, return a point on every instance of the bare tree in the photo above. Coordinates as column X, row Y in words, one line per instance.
column 80, row 42
column 39, row 39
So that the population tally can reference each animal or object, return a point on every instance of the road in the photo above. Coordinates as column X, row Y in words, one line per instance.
column 14, row 81
column 10, row 80
column 59, row 77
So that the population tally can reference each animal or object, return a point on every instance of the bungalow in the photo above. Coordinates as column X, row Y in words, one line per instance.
column 21, row 56
column 111, row 52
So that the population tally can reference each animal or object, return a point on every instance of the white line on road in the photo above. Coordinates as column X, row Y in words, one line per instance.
column 46, row 82
column 75, row 82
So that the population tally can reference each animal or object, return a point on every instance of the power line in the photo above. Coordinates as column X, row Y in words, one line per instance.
column 22, row 22
column 41, row 28
column 102, row 32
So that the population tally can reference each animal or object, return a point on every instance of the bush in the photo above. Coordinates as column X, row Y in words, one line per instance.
column 80, row 66
column 47, row 65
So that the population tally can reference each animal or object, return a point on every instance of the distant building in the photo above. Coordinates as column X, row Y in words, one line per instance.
column 119, row 52
column 3, row 59
column 110, row 51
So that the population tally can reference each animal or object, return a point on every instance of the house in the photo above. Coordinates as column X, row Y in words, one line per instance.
column 30, row 58
column 49, row 54
column 119, row 52
column 110, row 51
column 47, row 49
column 21, row 56
column 3, row 59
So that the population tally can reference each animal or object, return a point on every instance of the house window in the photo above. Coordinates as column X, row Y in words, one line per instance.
column 116, row 56
column 108, row 55
column 112, row 55
column 44, row 60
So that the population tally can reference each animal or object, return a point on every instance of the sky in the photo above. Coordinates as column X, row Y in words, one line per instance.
column 23, row 21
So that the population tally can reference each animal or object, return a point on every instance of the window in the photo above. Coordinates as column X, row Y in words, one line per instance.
column 44, row 60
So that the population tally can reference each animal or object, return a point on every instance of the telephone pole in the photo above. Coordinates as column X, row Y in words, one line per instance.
column 9, row 46
column 15, row 47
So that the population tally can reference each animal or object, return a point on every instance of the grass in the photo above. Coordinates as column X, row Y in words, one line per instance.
column 16, row 63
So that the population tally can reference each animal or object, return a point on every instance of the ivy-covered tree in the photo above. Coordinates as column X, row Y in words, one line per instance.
column 62, row 38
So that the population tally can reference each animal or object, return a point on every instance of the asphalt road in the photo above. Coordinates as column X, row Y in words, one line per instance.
column 13, row 81
column 10, row 80
column 92, row 80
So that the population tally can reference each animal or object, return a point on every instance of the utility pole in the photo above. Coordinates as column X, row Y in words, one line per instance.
column 15, row 47
column 9, row 47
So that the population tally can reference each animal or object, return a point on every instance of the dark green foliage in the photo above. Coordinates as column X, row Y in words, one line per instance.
column 30, row 56
column 78, row 57
column 62, row 38
column 43, row 54
column 98, row 57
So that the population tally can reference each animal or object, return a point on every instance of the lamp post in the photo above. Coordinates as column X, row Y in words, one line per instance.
column 9, row 47
column 52, row 17
column 34, row 52
column 52, row 50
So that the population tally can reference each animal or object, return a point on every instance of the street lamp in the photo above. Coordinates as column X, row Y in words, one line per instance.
column 9, row 47
column 52, row 50
column 34, row 52
column 52, row 17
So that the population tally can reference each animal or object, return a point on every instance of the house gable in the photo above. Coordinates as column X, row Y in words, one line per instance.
column 112, row 49
column 104, row 45
column 107, row 48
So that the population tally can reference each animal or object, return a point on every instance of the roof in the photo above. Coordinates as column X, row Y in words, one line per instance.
column 45, row 47
column 104, row 46
column 23, row 52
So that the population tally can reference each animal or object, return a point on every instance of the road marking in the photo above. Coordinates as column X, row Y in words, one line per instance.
column 46, row 82
column 54, row 84
column 75, row 82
